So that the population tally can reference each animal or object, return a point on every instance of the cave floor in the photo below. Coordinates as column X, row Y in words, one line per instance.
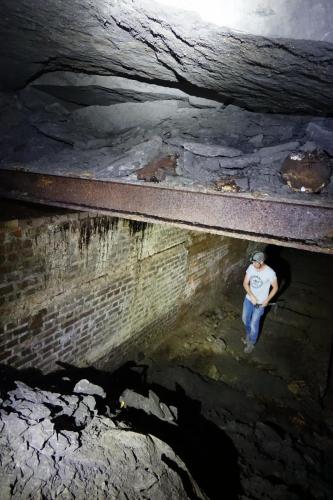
column 247, row 426
column 288, row 366
column 279, row 386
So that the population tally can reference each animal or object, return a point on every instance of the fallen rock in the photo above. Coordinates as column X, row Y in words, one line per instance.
column 214, row 373
column 240, row 162
column 200, row 168
column 151, row 405
column 136, row 157
column 321, row 135
column 306, row 172
column 271, row 150
column 86, row 387
column 40, row 458
column 157, row 170
column 227, row 185
column 211, row 150
column 309, row 147
column 101, row 122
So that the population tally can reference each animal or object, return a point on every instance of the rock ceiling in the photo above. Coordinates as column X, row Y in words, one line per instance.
column 103, row 89
column 142, row 40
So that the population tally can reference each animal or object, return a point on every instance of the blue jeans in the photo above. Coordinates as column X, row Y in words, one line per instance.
column 251, row 318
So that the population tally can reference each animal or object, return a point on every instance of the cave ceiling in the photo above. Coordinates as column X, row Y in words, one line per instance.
column 160, row 115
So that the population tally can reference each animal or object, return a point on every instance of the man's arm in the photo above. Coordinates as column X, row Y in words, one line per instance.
column 246, row 285
column 273, row 292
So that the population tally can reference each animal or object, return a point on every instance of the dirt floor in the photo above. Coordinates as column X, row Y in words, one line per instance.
column 290, row 362
column 277, row 389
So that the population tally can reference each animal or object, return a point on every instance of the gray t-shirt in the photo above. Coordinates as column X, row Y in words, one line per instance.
column 260, row 281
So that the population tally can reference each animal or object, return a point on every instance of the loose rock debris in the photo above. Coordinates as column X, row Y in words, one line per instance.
column 227, row 185
column 154, row 139
column 59, row 446
column 157, row 170
column 55, row 445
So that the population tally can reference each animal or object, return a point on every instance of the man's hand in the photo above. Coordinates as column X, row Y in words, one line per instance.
column 253, row 300
column 272, row 293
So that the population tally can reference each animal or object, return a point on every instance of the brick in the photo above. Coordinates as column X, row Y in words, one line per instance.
column 11, row 343
column 10, row 326
column 85, row 338
column 49, row 340
column 20, row 363
column 92, row 296
column 51, row 347
column 65, row 351
column 19, row 331
column 87, row 313
column 50, row 330
column 46, row 350
column 5, row 354
column 12, row 360
column 29, row 358
column 51, row 316
column 24, row 338
column 69, row 323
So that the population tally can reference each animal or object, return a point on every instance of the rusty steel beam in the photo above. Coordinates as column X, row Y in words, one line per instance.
column 299, row 224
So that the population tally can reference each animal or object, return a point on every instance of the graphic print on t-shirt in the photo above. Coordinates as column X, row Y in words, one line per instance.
column 260, row 282
column 256, row 282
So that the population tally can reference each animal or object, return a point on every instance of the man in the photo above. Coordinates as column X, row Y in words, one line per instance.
column 261, row 285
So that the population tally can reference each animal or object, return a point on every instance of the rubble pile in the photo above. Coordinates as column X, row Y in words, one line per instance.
column 164, row 136
column 59, row 446
column 79, row 444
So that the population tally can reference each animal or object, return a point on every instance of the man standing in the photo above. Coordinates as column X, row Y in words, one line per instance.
column 261, row 285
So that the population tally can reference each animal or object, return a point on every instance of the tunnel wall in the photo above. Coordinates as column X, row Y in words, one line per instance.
column 76, row 287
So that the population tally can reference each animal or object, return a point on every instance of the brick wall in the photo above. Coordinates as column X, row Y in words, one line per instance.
column 76, row 286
